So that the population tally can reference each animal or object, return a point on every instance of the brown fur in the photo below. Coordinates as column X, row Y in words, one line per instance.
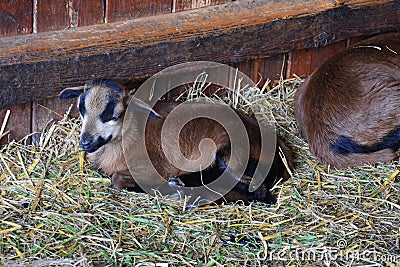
column 190, row 136
column 356, row 93
column 110, row 157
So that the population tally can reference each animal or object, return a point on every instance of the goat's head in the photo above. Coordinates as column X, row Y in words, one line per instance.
column 102, row 104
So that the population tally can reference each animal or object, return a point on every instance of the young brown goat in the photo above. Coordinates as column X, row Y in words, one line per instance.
column 103, row 105
column 348, row 109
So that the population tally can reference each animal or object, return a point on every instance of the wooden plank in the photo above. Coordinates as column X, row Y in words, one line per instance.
column 39, row 66
column 52, row 15
column 62, row 14
column 75, row 13
column 182, row 5
column 87, row 12
column 45, row 111
column 18, row 124
column 303, row 62
column 263, row 69
column 119, row 10
column 15, row 17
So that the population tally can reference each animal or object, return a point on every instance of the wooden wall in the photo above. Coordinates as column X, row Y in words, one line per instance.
column 33, row 16
column 19, row 17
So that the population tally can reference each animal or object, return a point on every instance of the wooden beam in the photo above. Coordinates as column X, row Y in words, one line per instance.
column 38, row 66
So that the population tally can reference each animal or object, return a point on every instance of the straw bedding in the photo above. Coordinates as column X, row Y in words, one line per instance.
column 55, row 210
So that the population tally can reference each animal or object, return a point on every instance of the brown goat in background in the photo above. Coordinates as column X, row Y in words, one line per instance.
column 103, row 104
column 348, row 109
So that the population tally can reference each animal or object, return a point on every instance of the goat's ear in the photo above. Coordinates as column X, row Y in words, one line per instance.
column 71, row 92
column 136, row 104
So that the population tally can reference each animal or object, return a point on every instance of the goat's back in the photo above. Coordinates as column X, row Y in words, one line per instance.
column 192, row 133
column 348, row 109
column 202, row 128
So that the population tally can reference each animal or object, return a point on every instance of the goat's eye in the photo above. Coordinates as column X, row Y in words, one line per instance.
column 116, row 117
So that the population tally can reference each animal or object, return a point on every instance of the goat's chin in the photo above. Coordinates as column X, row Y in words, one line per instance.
column 100, row 142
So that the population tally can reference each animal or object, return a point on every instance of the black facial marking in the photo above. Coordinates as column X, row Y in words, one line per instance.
column 81, row 104
column 108, row 113
column 94, row 144
column 345, row 145
column 116, row 117
column 106, row 83
column 113, row 85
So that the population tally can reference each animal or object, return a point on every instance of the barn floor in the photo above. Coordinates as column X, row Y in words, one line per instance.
column 56, row 211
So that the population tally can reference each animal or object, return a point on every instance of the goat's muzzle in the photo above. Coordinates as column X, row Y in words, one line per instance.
column 90, row 143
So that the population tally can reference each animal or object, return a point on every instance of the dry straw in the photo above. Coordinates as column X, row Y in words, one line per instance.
column 55, row 210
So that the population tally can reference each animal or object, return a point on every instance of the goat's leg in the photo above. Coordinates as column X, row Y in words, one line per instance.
column 241, row 189
column 121, row 181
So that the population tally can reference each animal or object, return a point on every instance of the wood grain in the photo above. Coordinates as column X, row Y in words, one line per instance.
column 263, row 69
column 182, row 5
column 119, row 10
column 63, row 14
column 52, row 15
column 15, row 17
column 45, row 111
column 19, row 122
column 39, row 66
column 303, row 62
column 87, row 12
column 68, row 14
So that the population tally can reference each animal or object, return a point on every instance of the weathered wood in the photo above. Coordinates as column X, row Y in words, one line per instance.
column 119, row 10
column 87, row 12
column 182, row 5
column 62, row 14
column 353, row 41
column 303, row 62
column 15, row 17
column 45, row 111
column 52, row 15
column 263, row 69
column 39, row 66
column 79, row 13
column 19, row 122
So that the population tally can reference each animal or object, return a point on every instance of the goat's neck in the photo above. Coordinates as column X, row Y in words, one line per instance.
column 110, row 158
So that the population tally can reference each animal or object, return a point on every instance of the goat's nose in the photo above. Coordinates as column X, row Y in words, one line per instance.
column 86, row 140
